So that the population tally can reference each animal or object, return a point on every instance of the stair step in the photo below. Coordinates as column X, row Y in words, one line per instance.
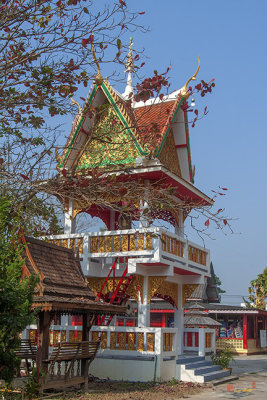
column 207, row 369
column 189, row 359
column 210, row 376
column 226, row 379
column 198, row 364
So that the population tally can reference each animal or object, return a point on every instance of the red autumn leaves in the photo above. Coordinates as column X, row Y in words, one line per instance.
column 87, row 41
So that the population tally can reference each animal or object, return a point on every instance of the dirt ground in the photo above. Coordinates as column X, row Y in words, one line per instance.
column 106, row 390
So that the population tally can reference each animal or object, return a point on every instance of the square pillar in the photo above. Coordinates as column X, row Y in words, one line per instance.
column 70, row 223
column 179, row 321
column 85, row 337
column 44, row 325
column 201, row 342
column 144, row 222
column 144, row 308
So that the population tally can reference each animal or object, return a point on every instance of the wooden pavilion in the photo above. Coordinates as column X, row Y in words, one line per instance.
column 62, row 289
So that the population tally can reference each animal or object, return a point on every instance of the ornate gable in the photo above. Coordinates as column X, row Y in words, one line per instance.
column 111, row 144
column 168, row 155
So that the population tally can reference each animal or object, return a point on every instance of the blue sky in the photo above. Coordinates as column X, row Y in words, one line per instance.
column 229, row 145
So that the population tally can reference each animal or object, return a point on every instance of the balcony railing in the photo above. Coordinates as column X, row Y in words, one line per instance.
column 201, row 340
column 154, row 244
column 116, row 339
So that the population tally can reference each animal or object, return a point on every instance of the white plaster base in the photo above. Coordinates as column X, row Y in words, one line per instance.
column 143, row 370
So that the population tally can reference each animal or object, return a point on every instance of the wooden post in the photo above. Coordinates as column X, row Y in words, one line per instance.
column 44, row 324
column 85, row 337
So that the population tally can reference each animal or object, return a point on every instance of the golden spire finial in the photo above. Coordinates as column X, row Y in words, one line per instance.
column 129, row 64
column 98, row 79
column 184, row 92
column 129, row 68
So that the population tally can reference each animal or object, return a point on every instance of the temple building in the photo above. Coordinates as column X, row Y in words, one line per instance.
column 128, row 163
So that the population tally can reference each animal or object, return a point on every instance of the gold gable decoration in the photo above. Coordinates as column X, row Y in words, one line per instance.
column 158, row 284
column 168, row 155
column 136, row 287
column 110, row 145
column 188, row 289
column 133, row 289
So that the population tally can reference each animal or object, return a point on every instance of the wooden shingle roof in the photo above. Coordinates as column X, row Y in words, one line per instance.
column 62, row 286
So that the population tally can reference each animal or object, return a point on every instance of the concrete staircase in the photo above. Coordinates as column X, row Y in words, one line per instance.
column 198, row 369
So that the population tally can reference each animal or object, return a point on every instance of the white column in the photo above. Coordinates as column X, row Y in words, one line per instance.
column 70, row 223
column 179, row 321
column 65, row 320
column 144, row 222
column 201, row 342
column 144, row 308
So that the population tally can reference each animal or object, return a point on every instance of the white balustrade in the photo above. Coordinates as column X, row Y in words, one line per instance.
column 125, row 340
column 133, row 341
column 201, row 340
column 152, row 244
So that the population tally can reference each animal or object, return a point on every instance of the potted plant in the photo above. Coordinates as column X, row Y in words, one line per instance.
column 223, row 358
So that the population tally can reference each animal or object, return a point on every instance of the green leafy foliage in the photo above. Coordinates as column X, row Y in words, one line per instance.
column 32, row 386
column 15, row 293
column 222, row 358
column 258, row 291
column 219, row 283
column 45, row 54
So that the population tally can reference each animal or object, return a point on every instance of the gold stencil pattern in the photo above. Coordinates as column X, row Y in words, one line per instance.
column 158, row 284
column 172, row 245
column 167, row 341
column 168, row 155
column 104, row 340
column 113, row 340
column 188, row 289
column 111, row 146
column 197, row 255
column 169, row 289
column 150, row 338
column 154, row 282
column 136, row 284
column 140, row 341
column 131, row 341
column 122, row 340
column 95, row 336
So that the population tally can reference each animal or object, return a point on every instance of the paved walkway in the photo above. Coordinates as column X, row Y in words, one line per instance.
column 252, row 382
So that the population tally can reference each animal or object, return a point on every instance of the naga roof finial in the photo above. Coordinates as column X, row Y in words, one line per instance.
column 184, row 92
column 98, row 79
column 77, row 104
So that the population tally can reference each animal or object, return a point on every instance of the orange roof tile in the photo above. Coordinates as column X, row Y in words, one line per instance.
column 153, row 121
